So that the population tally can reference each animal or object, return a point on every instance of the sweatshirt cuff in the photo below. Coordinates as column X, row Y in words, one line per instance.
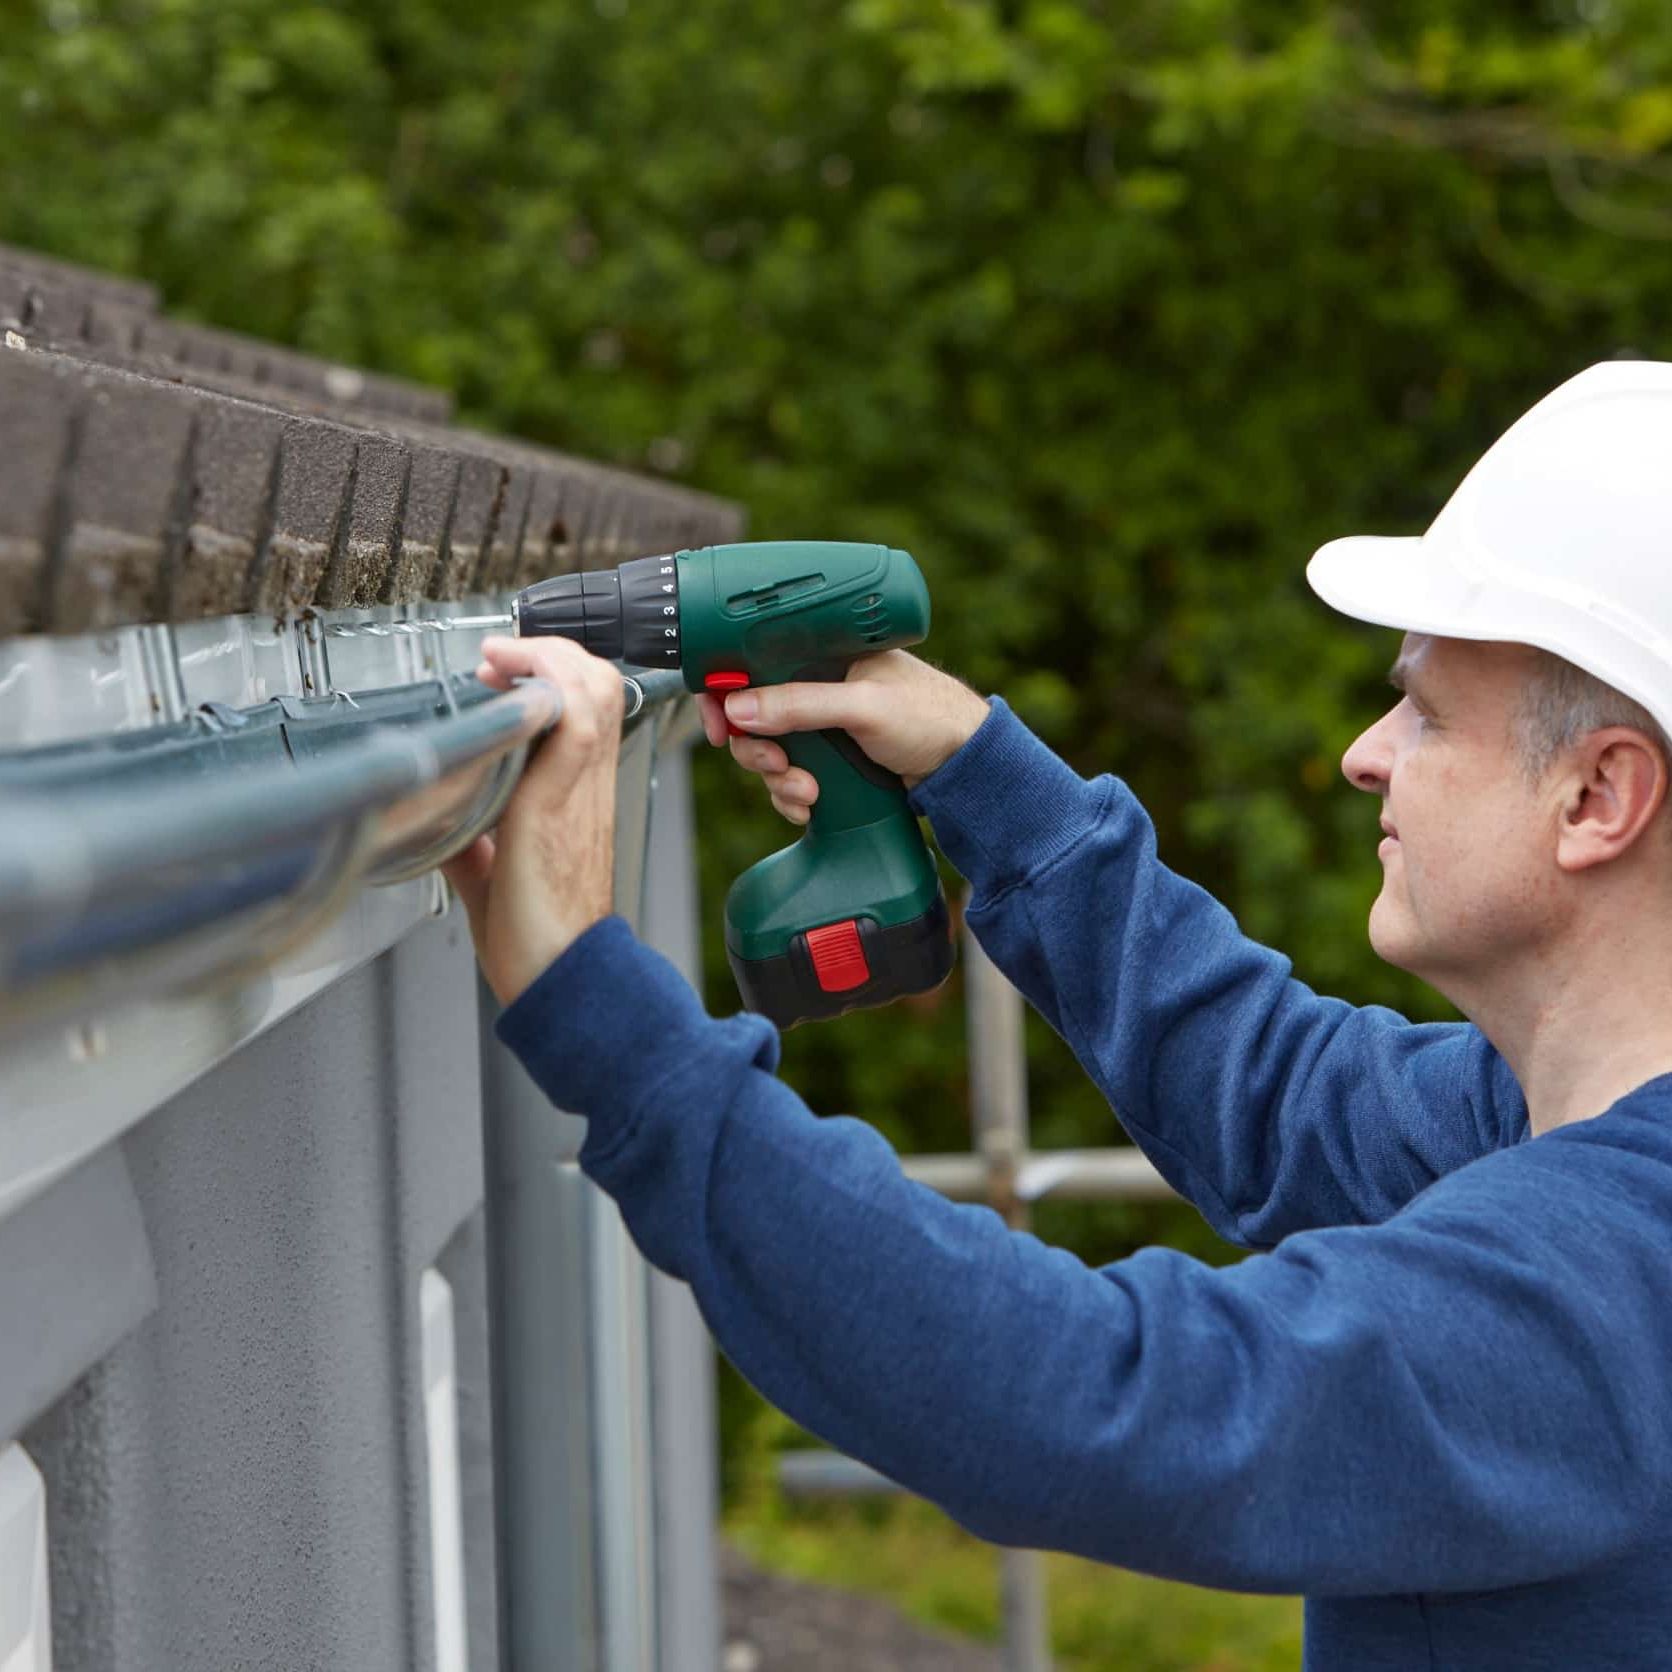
column 603, row 1023
column 1004, row 805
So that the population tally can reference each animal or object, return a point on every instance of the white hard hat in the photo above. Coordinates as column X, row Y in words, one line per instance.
column 1560, row 537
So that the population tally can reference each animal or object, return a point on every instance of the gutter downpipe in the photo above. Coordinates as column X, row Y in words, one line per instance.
column 570, row 1337
column 999, row 1110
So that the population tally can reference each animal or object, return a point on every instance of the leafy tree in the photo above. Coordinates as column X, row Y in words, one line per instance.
column 1109, row 313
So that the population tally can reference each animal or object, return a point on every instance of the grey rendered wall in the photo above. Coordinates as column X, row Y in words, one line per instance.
column 241, row 1481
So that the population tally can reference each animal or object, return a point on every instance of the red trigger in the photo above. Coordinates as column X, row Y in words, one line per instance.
column 720, row 684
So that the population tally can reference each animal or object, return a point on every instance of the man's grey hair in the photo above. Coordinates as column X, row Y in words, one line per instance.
column 1560, row 703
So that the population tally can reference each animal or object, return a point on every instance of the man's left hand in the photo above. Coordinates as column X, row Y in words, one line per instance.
column 547, row 873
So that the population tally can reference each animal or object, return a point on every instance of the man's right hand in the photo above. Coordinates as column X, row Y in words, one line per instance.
column 906, row 715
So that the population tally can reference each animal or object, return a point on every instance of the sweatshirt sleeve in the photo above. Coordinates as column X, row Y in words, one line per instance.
column 1444, row 1402
column 1271, row 1108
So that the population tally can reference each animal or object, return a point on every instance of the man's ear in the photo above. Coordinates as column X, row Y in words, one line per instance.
column 1614, row 787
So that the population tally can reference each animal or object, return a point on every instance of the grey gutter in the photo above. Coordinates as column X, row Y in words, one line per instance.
column 151, row 860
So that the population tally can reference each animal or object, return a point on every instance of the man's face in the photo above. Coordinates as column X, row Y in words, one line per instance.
column 1468, row 859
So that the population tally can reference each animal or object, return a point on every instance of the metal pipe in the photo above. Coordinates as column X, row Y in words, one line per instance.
column 830, row 1474
column 1025, row 1610
column 998, row 1077
column 1102, row 1175
column 574, row 1431
column 685, row 1428
column 999, row 1111
column 1106, row 1175
column 544, row 1417
column 655, row 686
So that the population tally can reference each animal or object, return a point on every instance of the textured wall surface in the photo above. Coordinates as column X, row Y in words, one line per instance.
column 75, row 1277
column 241, row 1482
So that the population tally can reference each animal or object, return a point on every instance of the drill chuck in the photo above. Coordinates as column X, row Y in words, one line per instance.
column 629, row 614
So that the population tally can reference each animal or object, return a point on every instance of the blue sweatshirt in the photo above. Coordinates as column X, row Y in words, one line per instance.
column 1440, row 1406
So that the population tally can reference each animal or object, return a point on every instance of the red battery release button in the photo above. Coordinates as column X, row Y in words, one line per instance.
column 838, row 958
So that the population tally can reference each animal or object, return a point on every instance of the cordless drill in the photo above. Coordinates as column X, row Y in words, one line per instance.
column 852, row 914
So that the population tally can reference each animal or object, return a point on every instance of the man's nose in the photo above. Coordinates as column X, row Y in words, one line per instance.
column 1369, row 758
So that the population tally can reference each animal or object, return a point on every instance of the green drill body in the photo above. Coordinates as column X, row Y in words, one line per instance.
column 852, row 914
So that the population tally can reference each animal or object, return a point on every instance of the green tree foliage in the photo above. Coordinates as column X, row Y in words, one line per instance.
column 1109, row 312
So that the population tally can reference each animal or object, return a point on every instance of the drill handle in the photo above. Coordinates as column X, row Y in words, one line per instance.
column 851, row 914
column 853, row 789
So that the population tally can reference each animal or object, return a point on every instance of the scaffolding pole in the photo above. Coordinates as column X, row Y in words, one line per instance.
column 999, row 1112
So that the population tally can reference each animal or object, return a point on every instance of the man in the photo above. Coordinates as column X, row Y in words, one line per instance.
column 1441, row 1406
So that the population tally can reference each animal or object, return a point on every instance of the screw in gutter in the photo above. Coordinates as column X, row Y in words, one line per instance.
column 313, row 660
column 87, row 1042
column 440, row 896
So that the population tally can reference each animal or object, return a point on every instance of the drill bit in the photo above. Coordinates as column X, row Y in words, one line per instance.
column 431, row 624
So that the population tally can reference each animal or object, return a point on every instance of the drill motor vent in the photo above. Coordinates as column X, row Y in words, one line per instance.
column 871, row 613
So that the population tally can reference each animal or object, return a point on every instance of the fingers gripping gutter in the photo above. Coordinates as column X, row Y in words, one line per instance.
column 546, row 875
column 592, row 692
column 579, row 677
